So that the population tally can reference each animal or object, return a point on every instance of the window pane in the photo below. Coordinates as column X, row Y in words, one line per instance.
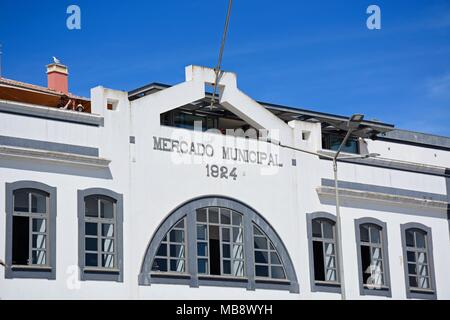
column 20, row 243
column 420, row 240
column 330, row 262
column 375, row 235
column 226, row 267
column 162, row 250
column 213, row 214
column 411, row 256
column 319, row 263
column 159, row 265
column 177, row 265
column 180, row 224
column 39, row 225
column 38, row 241
column 366, row 263
column 237, row 235
column 424, row 283
column 90, row 228
column 238, row 268
column 256, row 231
column 201, row 232
column 277, row 272
column 226, row 234
column 410, row 238
column 91, row 206
column 108, row 261
column 202, row 249
column 238, row 252
column 237, row 219
column 261, row 257
column 106, row 209
column 38, row 257
column 108, row 245
column 38, row 203
column 327, row 230
column 413, row 282
column 202, row 265
column 91, row 260
column 316, row 228
column 423, row 270
column 107, row 230
column 421, row 257
column 412, row 268
column 331, row 275
column 21, row 200
column 376, row 253
column 274, row 259
column 226, row 251
column 261, row 271
column 201, row 215
column 364, row 233
column 177, row 251
column 329, row 248
column 177, row 236
column 225, row 216
column 91, row 244
column 260, row 243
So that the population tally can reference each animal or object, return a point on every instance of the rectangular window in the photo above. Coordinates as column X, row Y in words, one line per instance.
column 332, row 141
column 324, row 251
column 100, row 239
column 220, row 249
column 29, row 228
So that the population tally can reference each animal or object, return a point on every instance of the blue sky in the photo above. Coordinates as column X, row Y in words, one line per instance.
column 309, row 54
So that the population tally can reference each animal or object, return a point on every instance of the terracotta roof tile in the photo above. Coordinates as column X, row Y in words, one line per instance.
column 34, row 87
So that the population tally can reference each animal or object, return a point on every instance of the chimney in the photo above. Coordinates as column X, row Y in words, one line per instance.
column 57, row 77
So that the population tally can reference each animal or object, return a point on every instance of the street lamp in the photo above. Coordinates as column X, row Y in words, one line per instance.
column 352, row 125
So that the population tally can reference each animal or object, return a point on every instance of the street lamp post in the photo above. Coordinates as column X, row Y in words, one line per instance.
column 352, row 124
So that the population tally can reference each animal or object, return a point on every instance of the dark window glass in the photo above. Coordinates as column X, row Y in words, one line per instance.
column 91, row 206
column 91, row 244
column 38, row 203
column 20, row 234
column 214, row 250
column 319, row 273
column 162, row 250
column 160, row 265
column 91, row 260
column 21, row 200
column 261, row 257
column 410, row 238
column 91, row 229
column 261, row 271
column 365, row 260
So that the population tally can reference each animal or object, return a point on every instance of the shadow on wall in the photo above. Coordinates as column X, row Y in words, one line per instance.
column 382, row 206
column 59, row 168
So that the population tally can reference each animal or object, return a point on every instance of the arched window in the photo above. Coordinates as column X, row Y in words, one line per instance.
column 220, row 242
column 100, row 234
column 418, row 261
column 373, row 259
column 324, row 266
column 31, row 230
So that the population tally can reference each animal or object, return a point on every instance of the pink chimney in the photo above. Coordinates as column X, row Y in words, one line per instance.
column 57, row 77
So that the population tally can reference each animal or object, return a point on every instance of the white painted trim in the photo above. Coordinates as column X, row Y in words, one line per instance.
column 383, row 197
column 69, row 158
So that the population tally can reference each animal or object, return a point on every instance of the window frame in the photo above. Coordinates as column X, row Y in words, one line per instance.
column 193, row 278
column 321, row 286
column 386, row 290
column 100, row 273
column 47, row 271
column 417, row 293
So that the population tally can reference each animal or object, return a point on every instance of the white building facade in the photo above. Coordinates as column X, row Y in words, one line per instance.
column 128, row 202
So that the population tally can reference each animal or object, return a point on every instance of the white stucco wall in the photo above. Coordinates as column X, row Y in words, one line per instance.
column 153, row 184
